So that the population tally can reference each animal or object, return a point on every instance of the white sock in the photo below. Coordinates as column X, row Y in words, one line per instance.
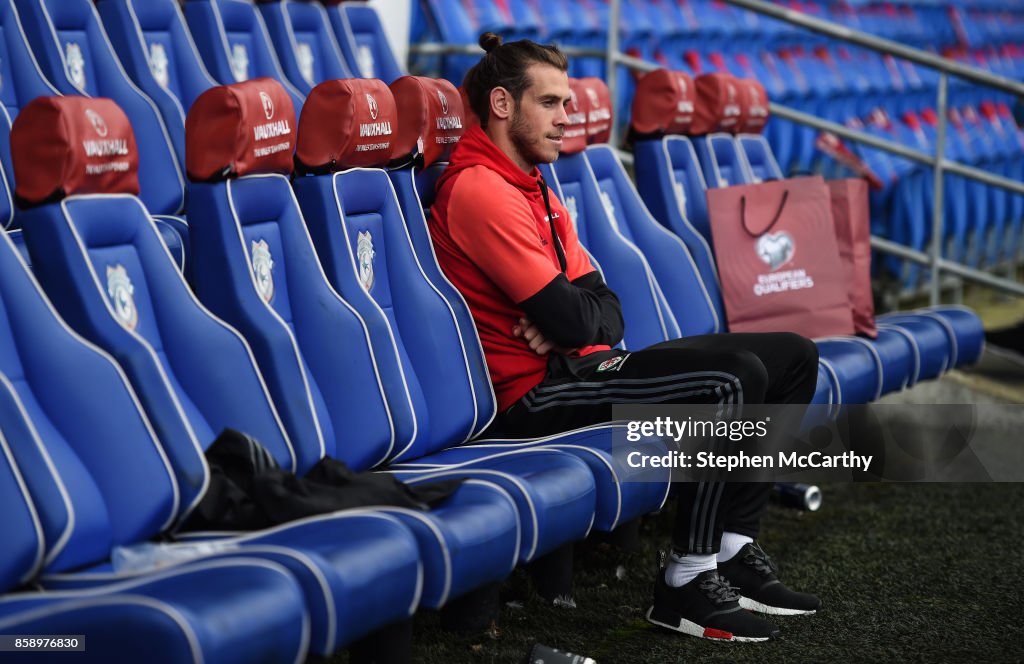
column 683, row 569
column 731, row 545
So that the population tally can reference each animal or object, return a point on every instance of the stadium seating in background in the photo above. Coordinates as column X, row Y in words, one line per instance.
column 359, row 32
column 77, row 57
column 235, row 43
column 304, row 42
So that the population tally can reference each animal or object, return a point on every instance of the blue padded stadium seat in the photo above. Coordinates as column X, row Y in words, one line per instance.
column 174, row 617
column 649, row 320
column 315, row 354
column 304, row 42
column 102, row 259
column 670, row 260
column 22, row 81
column 357, row 226
column 76, row 55
column 721, row 161
column 667, row 170
column 361, row 36
column 156, row 49
column 449, row 22
column 757, row 156
column 415, row 190
column 71, row 437
column 235, row 44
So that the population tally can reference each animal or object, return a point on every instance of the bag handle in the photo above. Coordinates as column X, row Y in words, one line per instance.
column 775, row 219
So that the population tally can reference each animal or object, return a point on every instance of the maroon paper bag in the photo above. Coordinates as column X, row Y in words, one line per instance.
column 853, row 235
column 777, row 258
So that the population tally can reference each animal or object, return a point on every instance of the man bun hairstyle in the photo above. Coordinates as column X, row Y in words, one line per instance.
column 489, row 41
column 505, row 65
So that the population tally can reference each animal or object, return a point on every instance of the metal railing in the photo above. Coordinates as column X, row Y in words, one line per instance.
column 937, row 161
column 939, row 164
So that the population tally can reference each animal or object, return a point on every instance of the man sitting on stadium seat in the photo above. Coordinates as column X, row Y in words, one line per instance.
column 547, row 322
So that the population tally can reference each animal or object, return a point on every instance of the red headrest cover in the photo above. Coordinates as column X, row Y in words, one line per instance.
column 73, row 145
column 574, row 139
column 347, row 123
column 431, row 118
column 598, row 104
column 470, row 117
column 663, row 103
column 718, row 104
column 753, row 106
column 240, row 129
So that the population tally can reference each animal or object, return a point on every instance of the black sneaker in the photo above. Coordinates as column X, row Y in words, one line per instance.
column 706, row 607
column 755, row 576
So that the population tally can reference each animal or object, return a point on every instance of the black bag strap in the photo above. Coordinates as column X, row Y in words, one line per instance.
column 775, row 219
column 559, row 251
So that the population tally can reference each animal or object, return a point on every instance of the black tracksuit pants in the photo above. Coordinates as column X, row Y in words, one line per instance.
column 776, row 368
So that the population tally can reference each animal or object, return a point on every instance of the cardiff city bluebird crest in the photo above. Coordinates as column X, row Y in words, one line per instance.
column 76, row 64
column 304, row 54
column 158, row 64
column 364, row 258
column 366, row 61
column 262, row 270
column 239, row 62
column 122, row 296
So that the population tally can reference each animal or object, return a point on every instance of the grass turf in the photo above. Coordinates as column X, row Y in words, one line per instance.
column 922, row 572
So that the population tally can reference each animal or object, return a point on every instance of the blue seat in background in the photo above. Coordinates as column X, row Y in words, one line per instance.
column 758, row 158
column 414, row 186
column 76, row 55
column 446, row 22
column 156, row 49
column 720, row 160
column 71, row 438
column 23, row 81
column 235, row 43
column 360, row 34
column 649, row 320
column 304, row 42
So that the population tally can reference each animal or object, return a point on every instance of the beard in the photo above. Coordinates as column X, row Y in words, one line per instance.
column 533, row 149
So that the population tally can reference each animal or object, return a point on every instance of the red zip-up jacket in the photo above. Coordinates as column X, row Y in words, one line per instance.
column 491, row 233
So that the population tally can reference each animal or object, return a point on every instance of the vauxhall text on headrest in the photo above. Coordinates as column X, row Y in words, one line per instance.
column 431, row 118
column 575, row 137
column 663, row 103
column 718, row 104
column 753, row 106
column 240, row 129
column 346, row 123
column 72, row 145
column 597, row 101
